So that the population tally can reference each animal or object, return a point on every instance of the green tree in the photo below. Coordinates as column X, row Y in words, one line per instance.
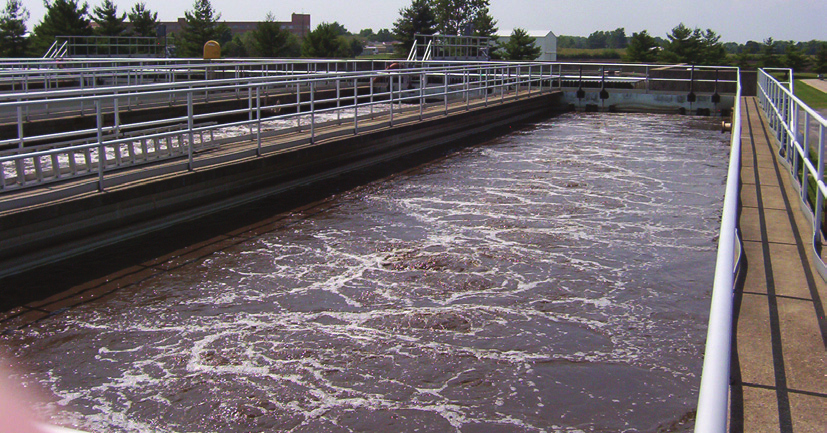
column 821, row 59
column 457, row 17
column 107, row 19
column 63, row 18
column 13, row 40
column 269, row 39
column 683, row 46
column 713, row 52
column 484, row 24
column 367, row 34
column 144, row 21
column 520, row 46
column 236, row 47
column 340, row 29
column 768, row 56
column 325, row 42
column 743, row 60
column 418, row 18
column 794, row 58
column 642, row 48
column 356, row 47
column 201, row 26
column 384, row 35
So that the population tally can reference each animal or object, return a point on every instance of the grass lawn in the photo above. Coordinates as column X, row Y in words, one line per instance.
column 813, row 97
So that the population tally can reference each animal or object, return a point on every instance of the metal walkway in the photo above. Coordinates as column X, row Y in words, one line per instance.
column 779, row 359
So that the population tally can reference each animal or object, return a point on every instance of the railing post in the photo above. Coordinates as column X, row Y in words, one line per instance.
column 249, row 104
column 21, row 169
column 466, row 77
column 390, row 89
column 502, row 85
column 189, row 128
column 371, row 91
column 487, row 84
column 355, row 106
column 117, row 115
column 258, row 121
column 819, row 204
column 422, row 82
column 338, row 98
column 445, row 91
column 312, row 112
column 298, row 107
column 101, row 150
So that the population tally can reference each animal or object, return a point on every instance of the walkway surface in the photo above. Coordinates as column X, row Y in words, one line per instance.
column 779, row 365
column 817, row 84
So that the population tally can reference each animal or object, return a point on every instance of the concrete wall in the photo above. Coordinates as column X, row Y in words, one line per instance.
column 633, row 101
column 47, row 233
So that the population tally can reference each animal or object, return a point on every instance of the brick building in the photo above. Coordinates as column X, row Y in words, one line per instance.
column 299, row 25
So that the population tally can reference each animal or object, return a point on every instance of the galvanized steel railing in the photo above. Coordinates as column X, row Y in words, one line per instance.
column 385, row 93
column 800, row 134
column 714, row 391
column 267, row 89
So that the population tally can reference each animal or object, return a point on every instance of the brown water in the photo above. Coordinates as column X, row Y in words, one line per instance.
column 556, row 279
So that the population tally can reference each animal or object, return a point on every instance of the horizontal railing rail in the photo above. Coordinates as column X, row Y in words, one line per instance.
column 713, row 395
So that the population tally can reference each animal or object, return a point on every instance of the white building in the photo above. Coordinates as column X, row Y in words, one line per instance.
column 545, row 39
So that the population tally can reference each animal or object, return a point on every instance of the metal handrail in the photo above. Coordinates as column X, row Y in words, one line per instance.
column 49, row 51
column 784, row 115
column 713, row 395
column 412, row 53
column 113, row 152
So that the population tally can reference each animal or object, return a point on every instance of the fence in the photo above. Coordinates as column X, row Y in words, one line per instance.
column 275, row 106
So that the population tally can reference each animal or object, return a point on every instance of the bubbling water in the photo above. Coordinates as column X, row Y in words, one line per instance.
column 555, row 279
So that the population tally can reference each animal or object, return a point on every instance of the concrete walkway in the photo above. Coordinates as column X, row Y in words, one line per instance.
column 817, row 84
column 779, row 365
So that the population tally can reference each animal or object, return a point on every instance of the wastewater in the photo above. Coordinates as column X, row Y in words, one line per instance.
column 556, row 279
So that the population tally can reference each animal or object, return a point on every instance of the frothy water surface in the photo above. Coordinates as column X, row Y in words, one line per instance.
column 555, row 279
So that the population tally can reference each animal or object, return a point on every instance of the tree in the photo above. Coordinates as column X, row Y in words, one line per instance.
column 617, row 38
column 520, row 46
column 384, row 35
column 144, row 21
column 484, row 24
column 418, row 18
column 642, row 48
column 821, row 59
column 712, row 50
column 13, row 29
column 340, row 29
column 63, row 18
column 684, row 46
column 202, row 26
column 456, row 17
column 269, row 39
column 356, row 47
column 794, row 58
column 325, row 42
column 743, row 60
column 695, row 47
column 768, row 57
column 109, row 23
column 236, row 47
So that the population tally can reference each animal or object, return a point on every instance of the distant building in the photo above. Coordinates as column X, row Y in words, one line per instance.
column 299, row 25
column 545, row 39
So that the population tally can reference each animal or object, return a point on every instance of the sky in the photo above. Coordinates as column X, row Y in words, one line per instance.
column 735, row 20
